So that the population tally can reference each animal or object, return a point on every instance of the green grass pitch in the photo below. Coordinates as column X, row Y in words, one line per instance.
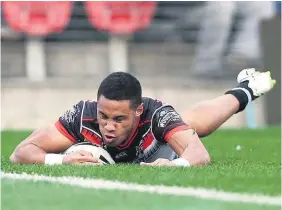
column 254, row 169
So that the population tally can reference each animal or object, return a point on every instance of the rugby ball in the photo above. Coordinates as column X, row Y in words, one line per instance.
column 97, row 151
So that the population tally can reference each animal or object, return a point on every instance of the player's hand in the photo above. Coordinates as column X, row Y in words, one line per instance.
column 81, row 158
column 159, row 162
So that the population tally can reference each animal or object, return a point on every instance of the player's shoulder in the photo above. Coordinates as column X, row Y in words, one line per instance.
column 89, row 109
column 86, row 109
column 151, row 104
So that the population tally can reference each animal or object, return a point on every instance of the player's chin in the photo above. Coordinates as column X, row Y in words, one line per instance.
column 115, row 142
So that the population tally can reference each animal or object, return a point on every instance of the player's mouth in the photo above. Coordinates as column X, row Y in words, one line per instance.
column 109, row 138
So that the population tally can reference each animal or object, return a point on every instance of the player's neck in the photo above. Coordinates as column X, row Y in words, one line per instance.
column 132, row 135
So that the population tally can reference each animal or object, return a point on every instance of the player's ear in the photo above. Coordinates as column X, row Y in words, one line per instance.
column 139, row 110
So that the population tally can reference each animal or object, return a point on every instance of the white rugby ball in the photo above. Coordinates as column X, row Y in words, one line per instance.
column 97, row 151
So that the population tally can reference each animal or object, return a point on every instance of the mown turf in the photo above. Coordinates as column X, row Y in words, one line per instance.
column 255, row 168
column 27, row 195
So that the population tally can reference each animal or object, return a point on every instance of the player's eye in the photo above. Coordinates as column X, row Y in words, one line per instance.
column 103, row 116
column 119, row 119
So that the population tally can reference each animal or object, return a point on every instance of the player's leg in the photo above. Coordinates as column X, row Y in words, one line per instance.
column 205, row 117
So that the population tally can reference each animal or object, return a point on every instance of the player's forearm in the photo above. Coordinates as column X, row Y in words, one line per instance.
column 196, row 155
column 28, row 154
column 188, row 146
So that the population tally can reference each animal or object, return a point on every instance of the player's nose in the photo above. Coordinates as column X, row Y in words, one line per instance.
column 110, row 127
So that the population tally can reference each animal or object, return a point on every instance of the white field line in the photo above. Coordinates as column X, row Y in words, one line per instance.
column 165, row 190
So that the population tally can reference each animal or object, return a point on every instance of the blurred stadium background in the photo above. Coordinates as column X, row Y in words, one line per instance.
column 55, row 54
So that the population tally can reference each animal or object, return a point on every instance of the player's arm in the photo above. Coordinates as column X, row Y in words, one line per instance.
column 43, row 140
column 189, row 147
column 44, row 145
column 168, row 127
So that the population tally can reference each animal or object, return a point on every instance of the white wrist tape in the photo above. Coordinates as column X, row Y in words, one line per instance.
column 181, row 162
column 53, row 159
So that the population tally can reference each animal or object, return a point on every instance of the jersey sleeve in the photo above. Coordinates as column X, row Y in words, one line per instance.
column 69, row 123
column 165, row 122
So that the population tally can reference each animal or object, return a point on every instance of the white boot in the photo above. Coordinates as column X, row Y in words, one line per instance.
column 259, row 82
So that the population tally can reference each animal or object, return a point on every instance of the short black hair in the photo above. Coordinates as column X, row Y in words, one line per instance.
column 121, row 86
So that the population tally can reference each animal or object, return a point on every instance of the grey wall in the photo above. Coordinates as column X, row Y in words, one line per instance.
column 271, row 43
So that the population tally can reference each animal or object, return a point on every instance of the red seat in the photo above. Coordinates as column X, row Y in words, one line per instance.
column 37, row 18
column 120, row 17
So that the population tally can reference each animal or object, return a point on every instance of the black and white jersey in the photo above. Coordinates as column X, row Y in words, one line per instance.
column 156, row 124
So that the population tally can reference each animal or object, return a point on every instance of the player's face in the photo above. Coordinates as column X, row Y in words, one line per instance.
column 117, row 120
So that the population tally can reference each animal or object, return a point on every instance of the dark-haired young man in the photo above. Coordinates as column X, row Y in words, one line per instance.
column 136, row 129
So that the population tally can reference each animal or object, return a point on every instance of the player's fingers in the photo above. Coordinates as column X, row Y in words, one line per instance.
column 158, row 162
column 88, row 159
column 144, row 164
column 163, row 163
column 85, row 153
column 150, row 164
column 91, row 163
